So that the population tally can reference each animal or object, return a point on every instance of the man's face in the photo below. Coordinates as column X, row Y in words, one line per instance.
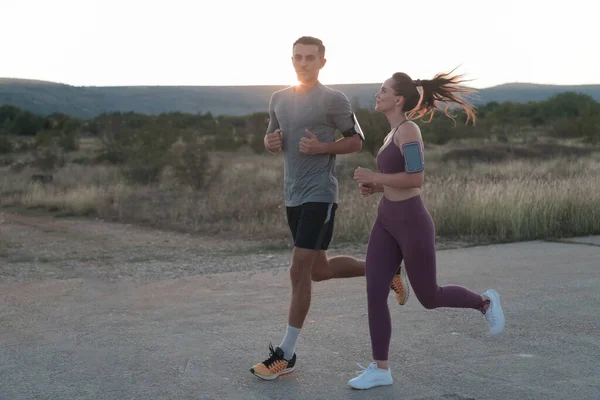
column 307, row 62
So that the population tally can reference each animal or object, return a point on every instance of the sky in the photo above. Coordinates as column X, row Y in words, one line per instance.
column 223, row 42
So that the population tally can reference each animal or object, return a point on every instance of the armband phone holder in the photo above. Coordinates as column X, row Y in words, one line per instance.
column 357, row 127
column 413, row 157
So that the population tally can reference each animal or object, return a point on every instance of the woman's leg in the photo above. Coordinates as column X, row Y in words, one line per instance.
column 418, row 246
column 383, row 258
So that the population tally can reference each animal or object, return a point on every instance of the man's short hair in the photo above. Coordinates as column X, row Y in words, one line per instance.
column 312, row 40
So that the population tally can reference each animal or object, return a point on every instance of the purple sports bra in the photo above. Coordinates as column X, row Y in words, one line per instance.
column 391, row 159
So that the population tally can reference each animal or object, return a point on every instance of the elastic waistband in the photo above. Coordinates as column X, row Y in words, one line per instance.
column 403, row 208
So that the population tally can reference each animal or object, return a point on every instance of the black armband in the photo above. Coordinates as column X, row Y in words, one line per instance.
column 356, row 129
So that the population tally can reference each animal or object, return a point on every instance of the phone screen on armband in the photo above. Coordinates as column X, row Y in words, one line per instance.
column 413, row 157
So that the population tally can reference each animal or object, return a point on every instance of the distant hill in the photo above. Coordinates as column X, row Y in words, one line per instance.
column 45, row 98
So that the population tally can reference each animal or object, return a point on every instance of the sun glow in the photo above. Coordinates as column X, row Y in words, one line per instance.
column 354, row 56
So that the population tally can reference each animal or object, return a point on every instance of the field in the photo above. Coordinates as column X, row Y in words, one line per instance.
column 134, row 249
column 477, row 192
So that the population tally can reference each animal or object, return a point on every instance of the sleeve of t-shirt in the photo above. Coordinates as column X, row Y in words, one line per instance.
column 340, row 112
column 273, row 122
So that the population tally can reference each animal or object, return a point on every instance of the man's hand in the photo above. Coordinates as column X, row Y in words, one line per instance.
column 310, row 144
column 273, row 141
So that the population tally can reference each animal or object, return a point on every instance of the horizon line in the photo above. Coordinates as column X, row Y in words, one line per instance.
column 268, row 85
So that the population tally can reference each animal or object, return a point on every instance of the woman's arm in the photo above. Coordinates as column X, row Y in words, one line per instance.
column 403, row 180
column 400, row 180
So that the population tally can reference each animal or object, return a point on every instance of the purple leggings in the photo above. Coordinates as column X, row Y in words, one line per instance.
column 405, row 230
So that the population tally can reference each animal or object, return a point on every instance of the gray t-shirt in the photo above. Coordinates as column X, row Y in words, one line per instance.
column 322, row 110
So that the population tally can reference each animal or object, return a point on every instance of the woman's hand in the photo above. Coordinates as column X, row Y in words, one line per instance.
column 367, row 189
column 364, row 175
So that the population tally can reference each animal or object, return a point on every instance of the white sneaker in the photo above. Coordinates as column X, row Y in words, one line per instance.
column 494, row 314
column 371, row 377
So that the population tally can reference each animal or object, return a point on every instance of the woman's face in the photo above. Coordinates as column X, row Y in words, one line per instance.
column 386, row 99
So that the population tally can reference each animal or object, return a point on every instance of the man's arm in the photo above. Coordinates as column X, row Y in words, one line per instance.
column 269, row 141
column 341, row 113
column 273, row 121
column 345, row 145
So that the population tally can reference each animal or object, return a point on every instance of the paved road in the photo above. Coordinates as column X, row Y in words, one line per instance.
column 195, row 337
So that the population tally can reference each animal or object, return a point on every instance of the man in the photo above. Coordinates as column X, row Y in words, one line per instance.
column 303, row 122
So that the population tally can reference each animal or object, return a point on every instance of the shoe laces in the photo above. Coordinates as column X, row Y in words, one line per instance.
column 490, row 316
column 372, row 366
column 397, row 284
column 272, row 356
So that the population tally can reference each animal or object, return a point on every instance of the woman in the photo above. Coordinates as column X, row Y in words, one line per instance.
column 404, row 229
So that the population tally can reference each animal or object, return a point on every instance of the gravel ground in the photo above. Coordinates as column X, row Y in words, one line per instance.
column 41, row 247
column 93, row 310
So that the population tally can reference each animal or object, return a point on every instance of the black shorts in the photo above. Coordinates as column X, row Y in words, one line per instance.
column 312, row 225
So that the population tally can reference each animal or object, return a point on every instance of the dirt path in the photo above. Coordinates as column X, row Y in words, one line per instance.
column 43, row 247
column 40, row 247
column 122, row 329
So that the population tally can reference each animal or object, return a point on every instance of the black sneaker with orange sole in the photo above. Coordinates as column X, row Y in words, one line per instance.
column 274, row 366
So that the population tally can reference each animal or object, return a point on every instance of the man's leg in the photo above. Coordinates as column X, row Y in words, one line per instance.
column 336, row 267
column 313, row 233
column 300, row 276
column 307, row 223
column 349, row 267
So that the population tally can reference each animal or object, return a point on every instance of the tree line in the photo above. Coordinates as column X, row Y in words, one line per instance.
column 564, row 115
column 144, row 144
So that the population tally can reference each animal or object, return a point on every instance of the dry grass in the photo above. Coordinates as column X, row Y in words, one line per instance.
column 518, row 200
column 510, row 201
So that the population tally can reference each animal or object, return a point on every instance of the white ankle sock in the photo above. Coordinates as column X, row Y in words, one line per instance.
column 288, row 344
